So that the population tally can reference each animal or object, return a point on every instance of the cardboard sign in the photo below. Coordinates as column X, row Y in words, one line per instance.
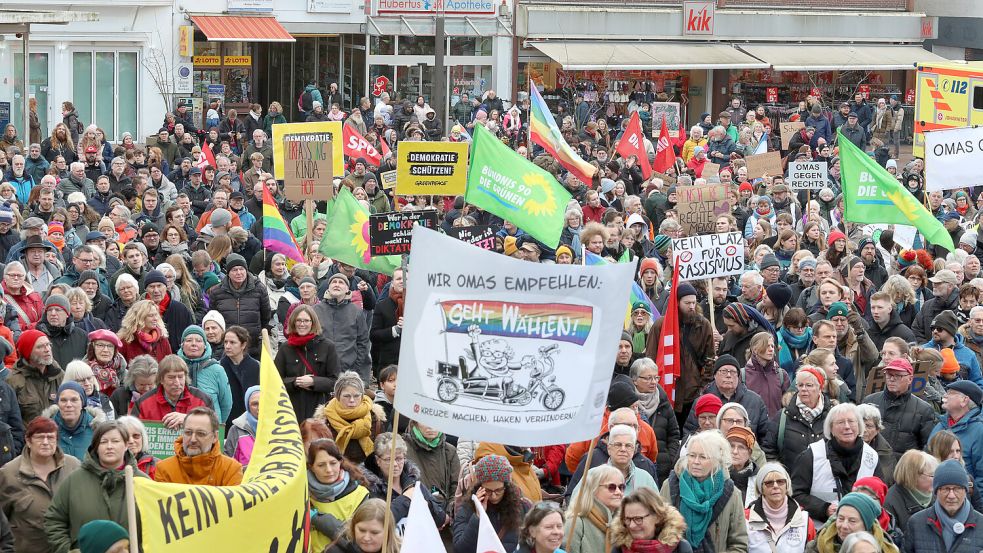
column 482, row 236
column 771, row 94
column 699, row 206
column 388, row 179
column 711, row 170
column 307, row 170
column 788, row 130
column 875, row 380
column 667, row 180
column 764, row 164
column 709, row 256
column 326, row 130
column 432, row 168
column 807, row 175
column 160, row 440
column 389, row 233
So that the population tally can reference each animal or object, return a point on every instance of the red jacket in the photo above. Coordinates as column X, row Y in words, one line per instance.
column 159, row 351
column 152, row 406
column 29, row 304
column 593, row 214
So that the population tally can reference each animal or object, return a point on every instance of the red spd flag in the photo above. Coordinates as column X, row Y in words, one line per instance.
column 667, row 357
column 207, row 158
column 664, row 154
column 356, row 146
column 632, row 143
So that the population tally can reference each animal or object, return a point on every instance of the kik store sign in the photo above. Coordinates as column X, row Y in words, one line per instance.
column 698, row 17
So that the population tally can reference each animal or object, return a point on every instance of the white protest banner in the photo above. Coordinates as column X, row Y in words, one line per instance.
column 953, row 158
column 709, row 255
column 807, row 175
column 495, row 347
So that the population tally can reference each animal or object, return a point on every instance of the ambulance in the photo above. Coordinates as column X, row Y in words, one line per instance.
column 947, row 95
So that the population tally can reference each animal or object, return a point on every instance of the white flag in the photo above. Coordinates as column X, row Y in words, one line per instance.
column 420, row 534
column 488, row 541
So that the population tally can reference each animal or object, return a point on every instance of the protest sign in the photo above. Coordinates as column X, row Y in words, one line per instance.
column 494, row 346
column 322, row 130
column 711, row 170
column 307, row 171
column 699, row 206
column 764, row 164
column 482, row 236
column 710, row 255
column 160, row 439
column 953, row 158
column 667, row 180
column 356, row 146
column 271, row 501
column 388, row 179
column 432, row 168
column 389, row 233
column 788, row 130
column 807, row 175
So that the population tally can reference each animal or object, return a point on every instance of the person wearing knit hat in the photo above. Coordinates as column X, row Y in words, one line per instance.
column 342, row 278
column 626, row 354
column 837, row 309
column 6, row 215
column 234, row 260
column 509, row 247
column 745, row 187
column 214, row 325
column 948, row 322
column 951, row 517
column 950, row 366
column 492, row 468
column 564, row 255
column 779, row 294
column 807, row 263
column 662, row 244
column 834, row 237
column 861, row 505
column 621, row 394
column 154, row 277
column 706, row 408
column 732, row 411
column 768, row 261
column 103, row 536
column 685, row 289
column 744, row 322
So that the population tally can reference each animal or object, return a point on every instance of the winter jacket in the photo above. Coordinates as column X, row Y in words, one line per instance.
column 667, row 435
column 35, row 390
column 152, row 406
column 965, row 356
column 769, row 381
column 465, row 527
column 90, row 493
column 68, row 342
column 377, row 484
column 790, row 538
column 178, row 316
column 322, row 355
column 248, row 306
column 696, row 359
column 893, row 329
column 522, row 473
column 36, row 168
column 727, row 532
column 24, row 497
column 845, row 472
column 158, row 350
column 786, row 445
column 726, row 146
column 205, row 374
column 908, row 420
column 924, row 534
column 75, row 441
column 239, row 428
column 922, row 326
column 329, row 521
column 823, row 130
column 585, row 535
column 439, row 467
column 241, row 377
column 11, row 424
column 646, row 438
column 266, row 150
column 855, row 134
column 747, row 398
column 30, row 303
column 207, row 469
column 969, row 430
column 643, row 472
column 344, row 324
column 385, row 346
column 901, row 505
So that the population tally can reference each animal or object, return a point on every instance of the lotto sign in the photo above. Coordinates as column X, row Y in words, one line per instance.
column 432, row 168
column 771, row 95
column 709, row 256
column 698, row 18
column 807, row 175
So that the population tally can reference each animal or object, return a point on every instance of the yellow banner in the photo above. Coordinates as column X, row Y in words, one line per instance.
column 237, row 60
column 432, row 168
column 267, row 512
column 207, row 60
column 186, row 41
column 329, row 130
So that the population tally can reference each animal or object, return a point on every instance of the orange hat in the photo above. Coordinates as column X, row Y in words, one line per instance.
column 742, row 435
column 949, row 363
column 649, row 263
column 510, row 247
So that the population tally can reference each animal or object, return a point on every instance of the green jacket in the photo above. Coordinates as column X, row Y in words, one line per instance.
column 90, row 493
column 35, row 391
column 269, row 121
column 298, row 225
column 587, row 537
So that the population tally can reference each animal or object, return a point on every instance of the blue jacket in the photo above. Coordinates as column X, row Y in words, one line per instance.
column 75, row 441
column 22, row 185
column 823, row 129
column 965, row 357
column 969, row 430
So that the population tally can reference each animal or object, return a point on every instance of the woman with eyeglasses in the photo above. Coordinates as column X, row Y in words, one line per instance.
column 389, row 460
column 702, row 490
column 542, row 530
column 307, row 362
column 352, row 416
column 592, row 509
column 647, row 524
column 490, row 479
column 776, row 523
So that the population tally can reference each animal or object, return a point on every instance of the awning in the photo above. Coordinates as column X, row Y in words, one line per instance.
column 840, row 57
column 230, row 28
column 603, row 55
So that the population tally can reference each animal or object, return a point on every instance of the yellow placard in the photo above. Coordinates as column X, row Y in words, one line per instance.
column 237, row 60
column 432, row 168
column 331, row 128
column 186, row 41
column 207, row 60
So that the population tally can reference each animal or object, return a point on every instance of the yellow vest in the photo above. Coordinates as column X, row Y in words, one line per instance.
column 341, row 509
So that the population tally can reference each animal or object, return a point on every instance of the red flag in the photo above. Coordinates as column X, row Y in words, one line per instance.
column 633, row 143
column 668, row 357
column 357, row 147
column 207, row 158
column 386, row 152
column 664, row 155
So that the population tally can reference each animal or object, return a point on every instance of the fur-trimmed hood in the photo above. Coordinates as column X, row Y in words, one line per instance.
column 98, row 417
column 672, row 532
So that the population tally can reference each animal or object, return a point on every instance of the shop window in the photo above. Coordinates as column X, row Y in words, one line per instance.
column 416, row 46
column 978, row 97
column 470, row 46
column 206, row 48
column 105, row 91
column 382, row 45
column 82, row 84
column 37, row 88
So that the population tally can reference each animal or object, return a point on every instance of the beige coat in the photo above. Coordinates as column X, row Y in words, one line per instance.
column 24, row 498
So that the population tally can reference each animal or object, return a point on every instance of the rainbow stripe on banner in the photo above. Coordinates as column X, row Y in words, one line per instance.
column 277, row 238
column 551, row 321
column 543, row 131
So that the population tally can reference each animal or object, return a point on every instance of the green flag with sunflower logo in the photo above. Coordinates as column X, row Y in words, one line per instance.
column 502, row 182
column 346, row 237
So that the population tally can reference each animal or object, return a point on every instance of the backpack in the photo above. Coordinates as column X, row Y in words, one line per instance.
column 306, row 101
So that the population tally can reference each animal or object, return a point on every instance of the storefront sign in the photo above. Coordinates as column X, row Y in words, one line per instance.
column 482, row 236
column 389, row 233
column 307, row 170
column 699, row 206
column 865, row 90
column 816, row 92
column 807, row 175
column 928, row 27
column 709, row 256
column 788, row 130
column 329, row 6
column 183, row 78
column 380, row 85
column 449, row 7
column 953, row 158
column 771, row 94
column 909, row 96
column 331, row 130
column 186, row 41
column 216, row 90
column 698, row 18
column 388, row 179
column 764, row 164
column 250, row 5
column 239, row 61
column 207, row 60
column 434, row 168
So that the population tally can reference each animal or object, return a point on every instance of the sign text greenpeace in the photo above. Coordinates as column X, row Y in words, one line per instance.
column 710, row 255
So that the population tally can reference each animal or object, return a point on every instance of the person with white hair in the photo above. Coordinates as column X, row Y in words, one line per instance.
column 828, row 468
column 776, row 523
column 622, row 443
column 695, row 139
column 873, row 425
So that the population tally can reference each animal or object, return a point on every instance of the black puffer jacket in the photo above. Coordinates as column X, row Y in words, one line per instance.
column 797, row 436
column 922, row 326
column 893, row 328
column 323, row 358
column 68, row 343
column 248, row 307
column 908, row 420
column 748, row 399
column 667, row 435
column 375, row 482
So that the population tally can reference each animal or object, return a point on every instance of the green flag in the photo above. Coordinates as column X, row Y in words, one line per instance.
column 872, row 195
column 346, row 237
column 502, row 182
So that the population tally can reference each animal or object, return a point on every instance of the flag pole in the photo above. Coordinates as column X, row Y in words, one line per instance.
column 713, row 325
column 131, row 508
column 389, row 484
column 580, row 490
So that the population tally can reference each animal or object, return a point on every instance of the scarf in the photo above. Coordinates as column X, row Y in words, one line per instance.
column 648, row 546
column 696, row 503
column 776, row 517
column 351, row 424
column 648, row 403
column 107, row 375
column 920, row 497
column 398, row 299
column 164, row 303
column 947, row 522
column 58, row 242
column 794, row 343
column 148, row 339
column 809, row 414
column 300, row 341
column 326, row 493
column 423, row 440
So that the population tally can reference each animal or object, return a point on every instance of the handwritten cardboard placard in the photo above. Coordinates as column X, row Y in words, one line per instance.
column 764, row 164
column 709, row 255
column 711, row 170
column 699, row 206
column 788, row 130
column 307, row 171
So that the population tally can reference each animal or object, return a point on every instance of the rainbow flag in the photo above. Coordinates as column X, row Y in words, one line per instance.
column 552, row 321
column 277, row 238
column 543, row 131
column 637, row 294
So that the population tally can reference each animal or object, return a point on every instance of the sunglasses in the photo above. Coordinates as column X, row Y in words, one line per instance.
column 612, row 487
